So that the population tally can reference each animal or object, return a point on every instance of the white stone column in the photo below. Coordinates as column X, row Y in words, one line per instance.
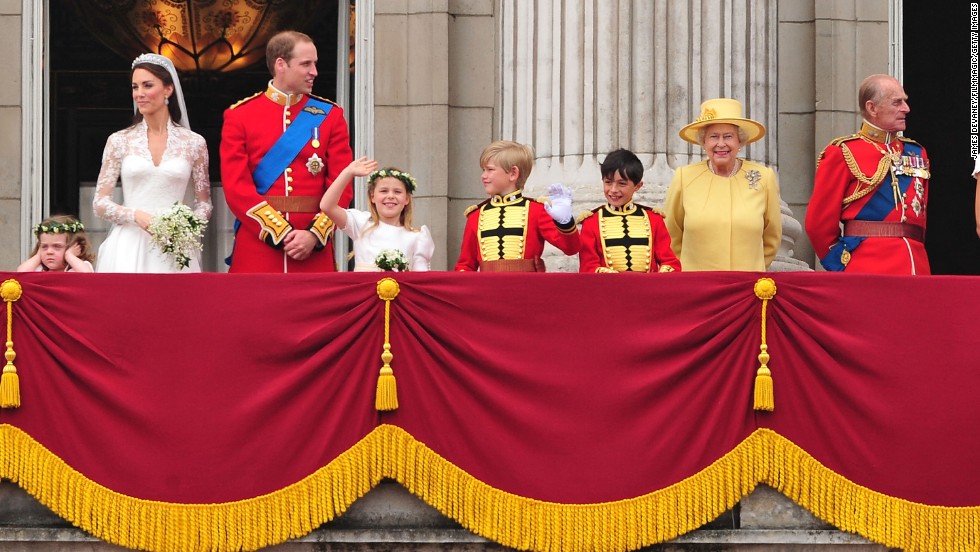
column 580, row 78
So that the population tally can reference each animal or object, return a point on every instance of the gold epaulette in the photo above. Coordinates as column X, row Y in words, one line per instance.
column 324, row 100
column 586, row 214
column 909, row 140
column 472, row 208
column 243, row 100
column 841, row 139
column 656, row 210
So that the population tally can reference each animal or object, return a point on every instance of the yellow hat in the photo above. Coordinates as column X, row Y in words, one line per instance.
column 723, row 111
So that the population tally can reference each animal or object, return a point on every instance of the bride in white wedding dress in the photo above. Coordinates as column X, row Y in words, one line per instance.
column 157, row 158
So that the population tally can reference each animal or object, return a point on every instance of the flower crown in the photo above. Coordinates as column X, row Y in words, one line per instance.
column 408, row 179
column 58, row 227
column 155, row 59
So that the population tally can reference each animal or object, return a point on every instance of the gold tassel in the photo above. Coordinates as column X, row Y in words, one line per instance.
column 11, row 291
column 387, row 396
column 765, row 289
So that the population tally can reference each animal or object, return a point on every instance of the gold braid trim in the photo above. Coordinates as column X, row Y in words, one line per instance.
column 509, row 519
column 884, row 167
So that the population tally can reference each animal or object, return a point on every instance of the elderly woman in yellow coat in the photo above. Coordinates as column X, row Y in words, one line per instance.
column 723, row 213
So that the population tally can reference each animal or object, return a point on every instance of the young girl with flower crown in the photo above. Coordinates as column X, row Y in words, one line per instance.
column 62, row 246
column 384, row 238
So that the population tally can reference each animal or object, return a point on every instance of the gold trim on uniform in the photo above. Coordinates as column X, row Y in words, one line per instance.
column 503, row 227
column 508, row 199
column 876, row 134
column 626, row 238
column 865, row 184
column 272, row 222
column 322, row 228
column 282, row 98
column 243, row 100
column 627, row 209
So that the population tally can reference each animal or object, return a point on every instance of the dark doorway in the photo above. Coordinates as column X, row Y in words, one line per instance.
column 938, row 85
column 91, row 99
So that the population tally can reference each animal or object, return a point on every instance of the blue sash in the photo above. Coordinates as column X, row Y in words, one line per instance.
column 285, row 150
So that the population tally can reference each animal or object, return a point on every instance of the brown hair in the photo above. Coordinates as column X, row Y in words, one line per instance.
column 507, row 155
column 55, row 224
column 281, row 46
column 161, row 73
column 406, row 215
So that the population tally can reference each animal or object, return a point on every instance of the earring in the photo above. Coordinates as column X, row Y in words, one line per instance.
column 166, row 100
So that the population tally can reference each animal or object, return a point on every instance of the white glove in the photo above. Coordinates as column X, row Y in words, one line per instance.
column 559, row 204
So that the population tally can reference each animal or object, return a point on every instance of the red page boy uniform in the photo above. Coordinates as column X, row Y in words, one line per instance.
column 279, row 152
column 633, row 238
column 507, row 233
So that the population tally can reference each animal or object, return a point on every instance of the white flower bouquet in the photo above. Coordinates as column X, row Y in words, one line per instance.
column 177, row 232
column 392, row 260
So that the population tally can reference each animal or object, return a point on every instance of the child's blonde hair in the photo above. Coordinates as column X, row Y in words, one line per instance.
column 407, row 180
column 507, row 155
column 72, row 228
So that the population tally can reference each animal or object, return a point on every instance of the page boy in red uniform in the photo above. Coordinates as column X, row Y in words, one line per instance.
column 622, row 236
column 506, row 233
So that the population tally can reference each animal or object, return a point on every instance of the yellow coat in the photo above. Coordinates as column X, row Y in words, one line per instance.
column 724, row 223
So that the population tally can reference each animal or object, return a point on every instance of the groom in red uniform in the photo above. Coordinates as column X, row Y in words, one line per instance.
column 280, row 149
column 876, row 183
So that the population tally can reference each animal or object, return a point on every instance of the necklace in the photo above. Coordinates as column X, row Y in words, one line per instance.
column 738, row 165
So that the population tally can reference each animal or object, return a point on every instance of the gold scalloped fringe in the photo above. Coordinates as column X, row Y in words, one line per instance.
column 509, row 519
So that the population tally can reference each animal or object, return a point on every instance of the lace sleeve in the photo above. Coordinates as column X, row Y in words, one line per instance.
column 201, row 180
column 102, row 204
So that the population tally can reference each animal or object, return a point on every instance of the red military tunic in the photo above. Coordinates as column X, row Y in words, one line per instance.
column 864, row 180
column 511, row 228
column 631, row 239
column 251, row 127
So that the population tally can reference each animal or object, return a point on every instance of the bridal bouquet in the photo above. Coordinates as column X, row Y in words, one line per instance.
column 177, row 232
column 391, row 260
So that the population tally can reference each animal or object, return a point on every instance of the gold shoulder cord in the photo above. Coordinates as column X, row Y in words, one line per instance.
column 869, row 184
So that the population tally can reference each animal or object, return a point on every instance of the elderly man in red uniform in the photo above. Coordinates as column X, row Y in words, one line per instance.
column 876, row 183
column 280, row 149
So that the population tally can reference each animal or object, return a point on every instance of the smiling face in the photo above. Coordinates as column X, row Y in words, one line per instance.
column 721, row 143
column 52, row 248
column 390, row 197
column 297, row 75
column 149, row 92
column 619, row 189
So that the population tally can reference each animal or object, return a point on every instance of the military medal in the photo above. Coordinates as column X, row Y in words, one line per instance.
column 314, row 164
column 315, row 142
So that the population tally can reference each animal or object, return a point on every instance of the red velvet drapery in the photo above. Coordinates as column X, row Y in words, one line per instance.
column 565, row 389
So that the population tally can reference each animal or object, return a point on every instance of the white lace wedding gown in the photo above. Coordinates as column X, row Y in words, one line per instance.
column 150, row 188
